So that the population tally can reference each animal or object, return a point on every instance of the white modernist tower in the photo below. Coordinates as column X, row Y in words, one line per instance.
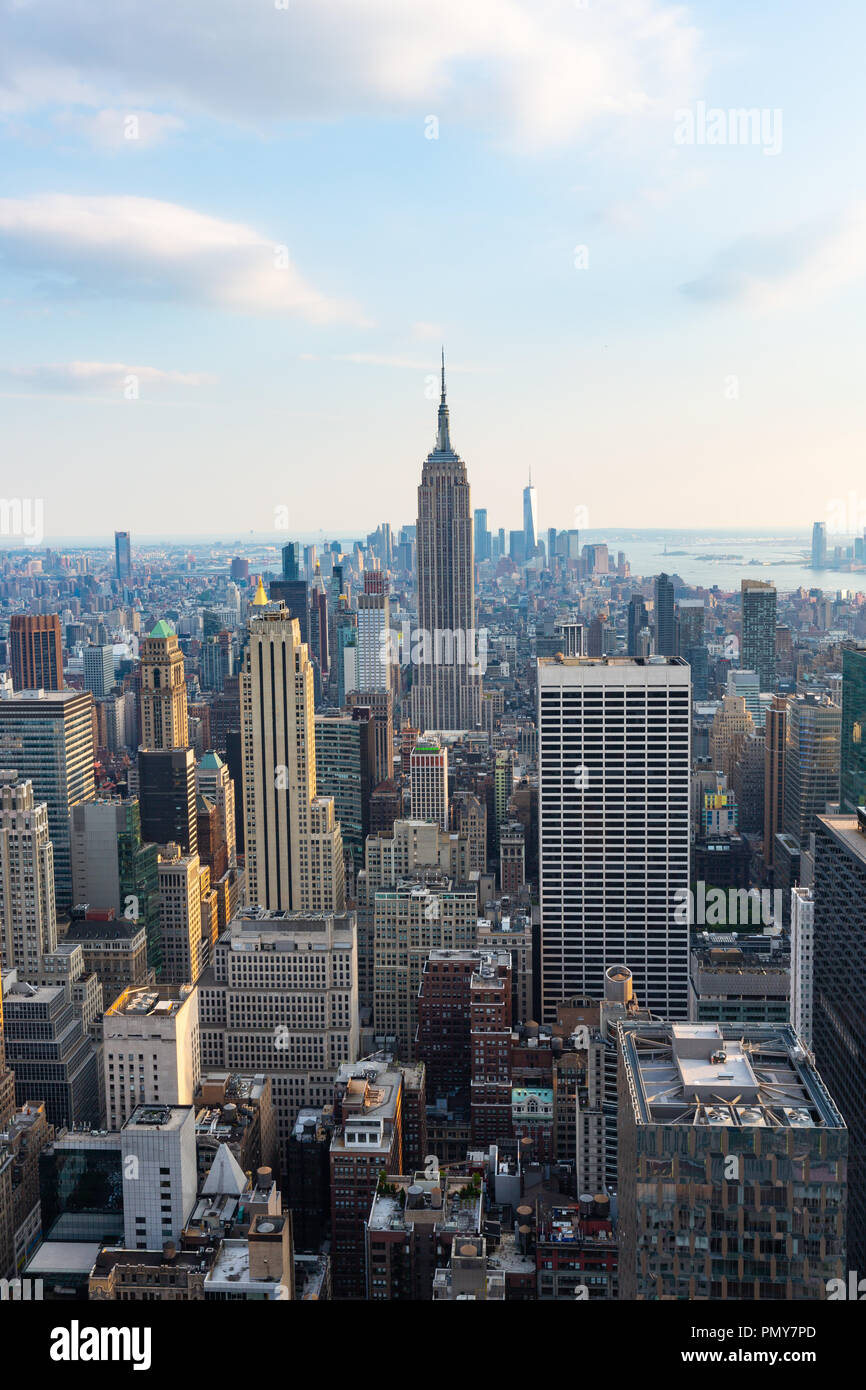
column 447, row 689
column 614, row 756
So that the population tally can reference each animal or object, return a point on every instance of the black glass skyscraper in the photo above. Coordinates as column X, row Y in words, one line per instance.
column 759, row 631
column 853, row 743
column 666, row 633
column 637, row 618
column 839, row 997
column 122, row 555
column 291, row 560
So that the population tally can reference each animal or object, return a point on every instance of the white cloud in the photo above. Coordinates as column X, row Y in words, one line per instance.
column 794, row 270
column 427, row 332
column 119, row 129
column 95, row 378
column 534, row 72
column 141, row 248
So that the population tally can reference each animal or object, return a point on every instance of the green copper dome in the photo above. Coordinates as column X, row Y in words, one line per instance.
column 162, row 629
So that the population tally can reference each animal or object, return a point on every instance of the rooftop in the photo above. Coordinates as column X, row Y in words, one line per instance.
column 162, row 1117
column 416, row 1200
column 162, row 1001
column 231, row 1272
column 847, row 830
column 747, row 1076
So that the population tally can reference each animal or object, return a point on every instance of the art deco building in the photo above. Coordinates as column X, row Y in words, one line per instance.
column 281, row 997
column 28, row 922
column 181, row 929
column 294, row 851
column 163, row 691
column 166, row 763
column 447, row 689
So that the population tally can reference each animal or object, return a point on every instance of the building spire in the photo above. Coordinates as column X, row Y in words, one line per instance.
column 443, row 441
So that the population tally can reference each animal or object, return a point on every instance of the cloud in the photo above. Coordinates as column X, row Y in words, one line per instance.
column 792, row 270
column 117, row 129
column 375, row 359
column 95, row 378
column 534, row 72
column 140, row 248
column 427, row 332
column 430, row 366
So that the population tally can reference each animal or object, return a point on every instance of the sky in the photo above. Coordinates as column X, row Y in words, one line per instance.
column 234, row 235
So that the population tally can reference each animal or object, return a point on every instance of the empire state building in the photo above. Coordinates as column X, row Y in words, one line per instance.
column 447, row 690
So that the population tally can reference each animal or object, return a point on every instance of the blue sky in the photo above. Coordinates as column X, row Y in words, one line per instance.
column 240, row 308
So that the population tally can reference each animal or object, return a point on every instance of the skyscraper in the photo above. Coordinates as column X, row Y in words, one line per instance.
column 530, row 519
column 666, row 633
column 381, row 706
column 163, row 691
column 428, row 778
column 212, row 778
column 291, row 560
column 47, row 736
column 373, row 670
column 838, row 994
column 852, row 788
column 819, row 545
column 614, row 758
column 166, row 764
column 482, row 535
column 345, row 762
column 811, row 763
column 35, row 651
column 637, row 620
column 447, row 689
column 7, row 1080
column 180, row 916
column 99, row 669
column 759, row 631
column 691, row 616
column 775, row 728
column 122, row 555
column 152, row 1049
column 709, row 1116
column 28, row 922
column 294, row 851
column 281, row 997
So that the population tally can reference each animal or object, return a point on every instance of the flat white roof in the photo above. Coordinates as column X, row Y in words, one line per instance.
column 64, row 1257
